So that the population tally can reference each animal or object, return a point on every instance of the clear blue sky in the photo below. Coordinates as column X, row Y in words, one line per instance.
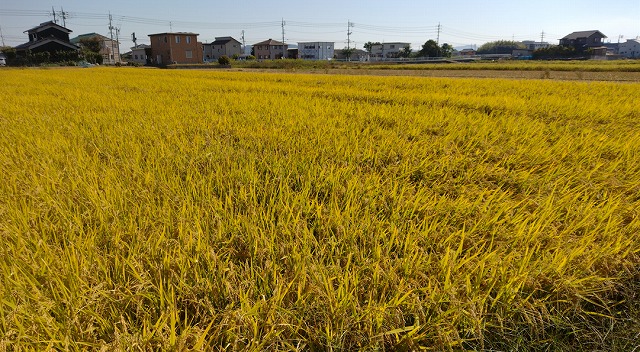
column 463, row 22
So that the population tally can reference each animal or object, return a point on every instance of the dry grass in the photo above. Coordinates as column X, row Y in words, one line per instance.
column 152, row 209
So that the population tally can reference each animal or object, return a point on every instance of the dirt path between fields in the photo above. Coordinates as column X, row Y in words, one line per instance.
column 555, row 75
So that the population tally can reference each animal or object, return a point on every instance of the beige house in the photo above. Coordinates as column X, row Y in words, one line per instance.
column 222, row 46
column 388, row 50
column 270, row 50
column 109, row 49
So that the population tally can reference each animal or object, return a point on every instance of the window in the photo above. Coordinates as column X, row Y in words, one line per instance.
column 392, row 46
column 165, row 39
column 188, row 40
column 135, row 57
column 177, row 39
column 189, row 54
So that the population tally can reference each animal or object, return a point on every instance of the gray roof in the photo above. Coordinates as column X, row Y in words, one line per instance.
column 46, row 25
column 223, row 40
column 583, row 34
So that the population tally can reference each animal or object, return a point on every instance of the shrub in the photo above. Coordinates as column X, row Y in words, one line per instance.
column 224, row 60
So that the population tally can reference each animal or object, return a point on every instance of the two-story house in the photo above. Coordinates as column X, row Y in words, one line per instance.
column 630, row 49
column 533, row 45
column 316, row 50
column 141, row 54
column 109, row 49
column 47, row 37
column 175, row 48
column 270, row 50
column 222, row 46
column 388, row 50
column 582, row 41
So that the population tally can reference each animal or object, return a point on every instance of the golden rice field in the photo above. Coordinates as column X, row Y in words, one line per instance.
column 174, row 210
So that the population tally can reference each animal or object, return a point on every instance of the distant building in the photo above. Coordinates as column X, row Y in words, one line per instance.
column 630, row 49
column 533, row 45
column 222, row 46
column 47, row 37
column 270, row 50
column 388, row 50
column 141, row 54
column 356, row 55
column 582, row 41
column 467, row 52
column 316, row 50
column 109, row 49
column 521, row 53
column 175, row 48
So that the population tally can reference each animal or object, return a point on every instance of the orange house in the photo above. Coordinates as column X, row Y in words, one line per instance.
column 175, row 48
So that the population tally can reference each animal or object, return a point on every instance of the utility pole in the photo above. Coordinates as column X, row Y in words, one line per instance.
column 134, row 39
column 170, row 26
column 111, row 28
column 64, row 17
column 438, row 38
column 283, row 53
column 1, row 36
column 117, row 44
column 54, row 15
column 244, row 47
column 542, row 37
column 349, row 26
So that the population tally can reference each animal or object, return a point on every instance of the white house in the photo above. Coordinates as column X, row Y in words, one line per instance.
column 533, row 45
column 630, row 48
column 139, row 53
column 388, row 50
column 316, row 50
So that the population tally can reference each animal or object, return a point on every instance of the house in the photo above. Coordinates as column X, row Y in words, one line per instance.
column 521, row 53
column 316, row 50
column 48, row 37
column 109, row 49
column 533, row 45
column 630, row 49
column 222, row 46
column 582, row 41
column 270, row 50
column 3, row 59
column 141, row 54
column 175, row 48
column 467, row 52
column 388, row 50
column 356, row 55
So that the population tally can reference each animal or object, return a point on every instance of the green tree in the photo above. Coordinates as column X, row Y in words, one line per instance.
column 348, row 52
column 429, row 49
column 500, row 47
column 224, row 60
column 10, row 53
column 92, row 44
column 368, row 46
column 405, row 52
column 446, row 50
